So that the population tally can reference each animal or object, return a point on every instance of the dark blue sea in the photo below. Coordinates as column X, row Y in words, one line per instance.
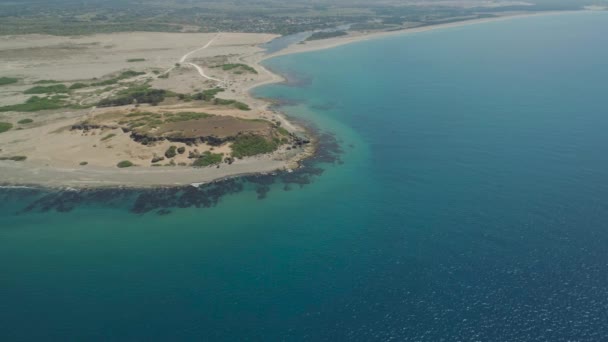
column 460, row 193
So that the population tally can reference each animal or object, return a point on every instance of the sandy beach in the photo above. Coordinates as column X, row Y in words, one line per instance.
column 329, row 43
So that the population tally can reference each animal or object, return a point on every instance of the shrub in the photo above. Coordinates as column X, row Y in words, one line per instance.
column 325, row 35
column 235, row 103
column 133, row 60
column 57, row 88
column 25, row 121
column 208, row 158
column 207, row 95
column 84, row 163
column 8, row 80
column 181, row 150
column 78, row 86
column 251, row 145
column 282, row 131
column 241, row 105
column 109, row 136
column 171, row 152
column 125, row 163
column 239, row 66
column 122, row 76
column 46, row 82
column 36, row 103
column 5, row 126
column 139, row 95
column 15, row 158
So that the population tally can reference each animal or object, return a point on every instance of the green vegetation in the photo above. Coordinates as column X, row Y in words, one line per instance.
column 251, row 145
column 282, row 131
column 46, row 82
column 181, row 150
column 171, row 152
column 130, row 73
column 84, row 163
column 35, row 103
column 14, row 158
column 78, row 86
column 239, row 67
column 186, row 116
column 209, row 94
column 57, row 88
column 8, row 80
column 325, row 35
column 25, row 121
column 143, row 119
column 371, row 26
column 5, row 126
column 123, row 76
column 236, row 104
column 208, row 158
column 136, row 95
column 134, row 60
column 125, row 163
column 109, row 136
column 205, row 95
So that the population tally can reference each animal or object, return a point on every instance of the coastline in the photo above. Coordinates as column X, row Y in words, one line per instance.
column 329, row 43
column 97, row 177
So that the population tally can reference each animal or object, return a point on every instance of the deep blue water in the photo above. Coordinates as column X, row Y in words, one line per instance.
column 469, row 203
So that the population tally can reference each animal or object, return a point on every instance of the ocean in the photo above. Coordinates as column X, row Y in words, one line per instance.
column 460, row 194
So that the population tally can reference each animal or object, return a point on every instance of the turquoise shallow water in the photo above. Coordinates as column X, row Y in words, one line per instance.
column 469, row 202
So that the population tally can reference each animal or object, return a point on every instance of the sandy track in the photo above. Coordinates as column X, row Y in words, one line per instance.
column 202, row 73
column 186, row 56
column 198, row 67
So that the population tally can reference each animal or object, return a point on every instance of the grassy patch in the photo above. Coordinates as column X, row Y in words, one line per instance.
column 137, row 95
column 208, row 158
column 325, row 35
column 78, row 86
column 238, row 67
column 25, row 121
column 251, row 145
column 8, row 80
column 123, row 76
column 138, row 114
column 236, row 104
column 186, row 116
column 135, row 60
column 35, row 103
column 282, row 131
column 130, row 73
column 125, row 163
column 52, row 89
column 5, row 126
column 109, row 136
column 14, row 158
column 46, row 82
column 205, row 95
